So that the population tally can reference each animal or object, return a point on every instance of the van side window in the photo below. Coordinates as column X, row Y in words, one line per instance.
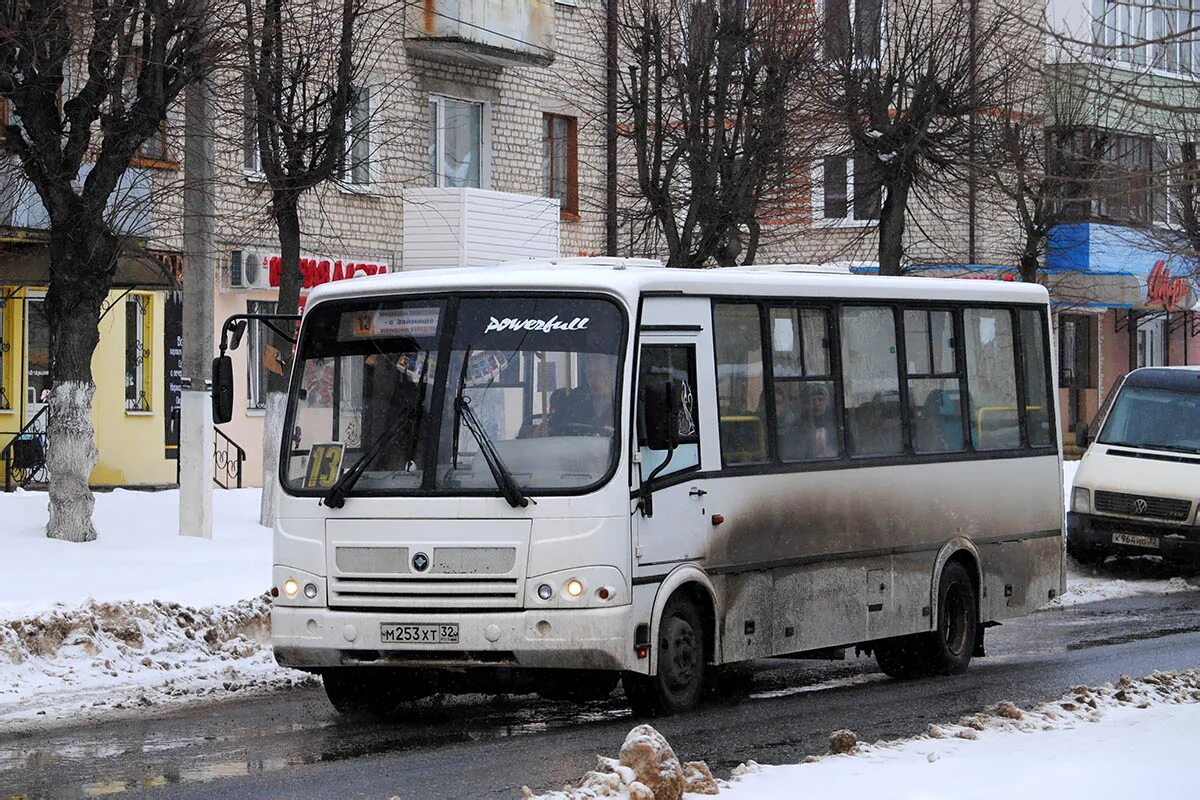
column 1038, row 403
column 934, row 382
column 803, row 388
column 871, row 381
column 737, row 338
column 991, row 378
column 659, row 364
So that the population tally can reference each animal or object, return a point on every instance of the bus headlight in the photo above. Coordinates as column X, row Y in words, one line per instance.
column 545, row 591
column 290, row 587
column 1081, row 500
column 574, row 587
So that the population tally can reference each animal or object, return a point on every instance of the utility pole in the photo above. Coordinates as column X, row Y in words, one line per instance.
column 195, row 423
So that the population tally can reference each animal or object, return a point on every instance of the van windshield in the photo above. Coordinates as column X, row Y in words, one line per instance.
column 393, row 387
column 1146, row 416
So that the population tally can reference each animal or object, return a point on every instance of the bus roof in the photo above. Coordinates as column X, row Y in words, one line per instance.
column 617, row 276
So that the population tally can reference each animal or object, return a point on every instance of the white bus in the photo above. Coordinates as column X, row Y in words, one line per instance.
column 472, row 499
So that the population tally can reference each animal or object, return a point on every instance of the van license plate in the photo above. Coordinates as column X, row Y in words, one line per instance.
column 1136, row 541
column 393, row 633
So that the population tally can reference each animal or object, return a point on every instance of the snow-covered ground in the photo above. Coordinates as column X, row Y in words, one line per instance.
column 1103, row 743
column 143, row 617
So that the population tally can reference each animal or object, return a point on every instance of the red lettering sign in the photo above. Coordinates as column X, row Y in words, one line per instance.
column 316, row 271
column 1162, row 288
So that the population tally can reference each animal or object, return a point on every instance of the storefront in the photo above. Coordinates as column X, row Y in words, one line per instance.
column 135, row 366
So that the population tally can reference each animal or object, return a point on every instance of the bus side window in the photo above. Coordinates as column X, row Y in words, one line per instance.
column 934, row 401
column 1039, row 405
column 737, row 337
column 659, row 364
column 991, row 378
column 871, row 381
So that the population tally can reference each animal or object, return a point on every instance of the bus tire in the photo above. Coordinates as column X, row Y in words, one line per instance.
column 947, row 650
column 953, row 643
column 374, row 691
column 577, row 685
column 679, row 682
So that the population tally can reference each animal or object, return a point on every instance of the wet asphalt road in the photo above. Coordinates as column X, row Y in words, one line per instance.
column 292, row 745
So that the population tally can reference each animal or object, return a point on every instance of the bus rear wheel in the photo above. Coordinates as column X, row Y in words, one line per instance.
column 947, row 650
column 679, row 682
column 378, row 692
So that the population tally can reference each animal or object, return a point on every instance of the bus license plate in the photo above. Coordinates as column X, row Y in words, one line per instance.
column 393, row 633
column 1136, row 541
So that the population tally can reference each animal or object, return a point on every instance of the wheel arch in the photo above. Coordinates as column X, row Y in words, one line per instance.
column 963, row 550
column 695, row 582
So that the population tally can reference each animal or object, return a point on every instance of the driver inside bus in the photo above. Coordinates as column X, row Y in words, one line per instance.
column 586, row 410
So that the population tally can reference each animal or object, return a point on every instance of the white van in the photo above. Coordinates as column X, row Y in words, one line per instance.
column 1136, row 489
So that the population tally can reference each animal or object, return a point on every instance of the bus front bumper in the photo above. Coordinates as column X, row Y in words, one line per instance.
column 594, row 638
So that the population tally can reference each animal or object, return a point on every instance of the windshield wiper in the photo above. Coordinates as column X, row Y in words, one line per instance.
column 403, row 423
column 504, row 479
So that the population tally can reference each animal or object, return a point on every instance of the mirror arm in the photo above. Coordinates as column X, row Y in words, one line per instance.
column 645, row 492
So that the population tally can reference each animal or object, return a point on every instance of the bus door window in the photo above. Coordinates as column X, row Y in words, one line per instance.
column 934, row 382
column 803, row 386
column 737, row 337
column 871, row 381
column 991, row 378
column 659, row 364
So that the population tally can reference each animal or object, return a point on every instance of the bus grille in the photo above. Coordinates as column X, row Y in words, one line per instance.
column 456, row 577
column 1136, row 505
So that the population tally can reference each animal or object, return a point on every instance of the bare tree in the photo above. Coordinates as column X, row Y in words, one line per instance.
column 300, row 120
column 708, row 98
column 88, row 84
column 906, row 85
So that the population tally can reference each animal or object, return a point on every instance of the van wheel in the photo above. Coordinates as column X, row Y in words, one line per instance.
column 681, row 664
column 374, row 691
column 947, row 650
column 577, row 685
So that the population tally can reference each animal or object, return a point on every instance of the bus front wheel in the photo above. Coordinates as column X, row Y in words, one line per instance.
column 947, row 650
column 679, row 682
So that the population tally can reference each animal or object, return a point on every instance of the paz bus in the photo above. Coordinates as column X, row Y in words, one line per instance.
column 555, row 476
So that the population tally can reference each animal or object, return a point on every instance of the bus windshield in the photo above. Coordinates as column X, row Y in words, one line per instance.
column 416, row 395
column 1146, row 416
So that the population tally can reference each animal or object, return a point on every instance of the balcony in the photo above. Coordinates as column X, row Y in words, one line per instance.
column 128, row 208
column 482, row 33
column 476, row 228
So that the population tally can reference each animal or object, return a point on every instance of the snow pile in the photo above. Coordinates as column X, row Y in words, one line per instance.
column 1145, row 726
column 100, row 657
column 647, row 769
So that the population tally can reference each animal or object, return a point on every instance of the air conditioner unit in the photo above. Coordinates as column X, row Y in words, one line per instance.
column 247, row 271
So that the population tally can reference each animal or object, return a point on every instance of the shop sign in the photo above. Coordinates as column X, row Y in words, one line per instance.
column 1163, row 289
column 316, row 271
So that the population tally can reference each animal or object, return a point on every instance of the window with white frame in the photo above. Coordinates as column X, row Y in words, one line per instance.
column 853, row 27
column 259, row 337
column 457, row 152
column 137, row 352
column 251, row 156
column 358, row 139
column 846, row 189
column 1148, row 33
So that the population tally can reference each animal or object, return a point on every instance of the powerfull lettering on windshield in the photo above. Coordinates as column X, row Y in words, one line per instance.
column 543, row 325
column 548, row 323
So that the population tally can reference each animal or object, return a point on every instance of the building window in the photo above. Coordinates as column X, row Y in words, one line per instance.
column 853, row 22
column 847, row 189
column 1158, row 33
column 358, row 139
column 137, row 352
column 560, row 161
column 251, row 156
column 260, row 337
column 456, row 143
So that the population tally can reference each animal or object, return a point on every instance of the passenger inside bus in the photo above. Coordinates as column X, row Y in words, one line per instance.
column 587, row 409
column 805, row 419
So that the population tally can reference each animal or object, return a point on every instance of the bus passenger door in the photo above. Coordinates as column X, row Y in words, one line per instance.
column 677, row 529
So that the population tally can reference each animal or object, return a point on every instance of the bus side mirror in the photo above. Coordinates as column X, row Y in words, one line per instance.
column 222, row 389
column 1081, row 434
column 662, row 415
